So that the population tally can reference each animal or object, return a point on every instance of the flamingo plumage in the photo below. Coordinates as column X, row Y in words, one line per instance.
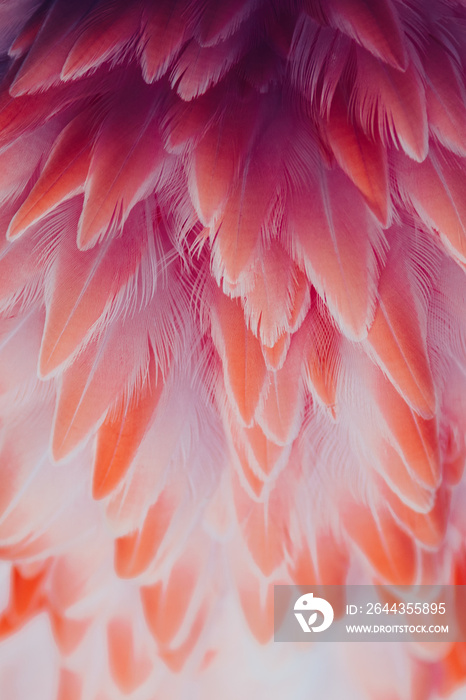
column 232, row 339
